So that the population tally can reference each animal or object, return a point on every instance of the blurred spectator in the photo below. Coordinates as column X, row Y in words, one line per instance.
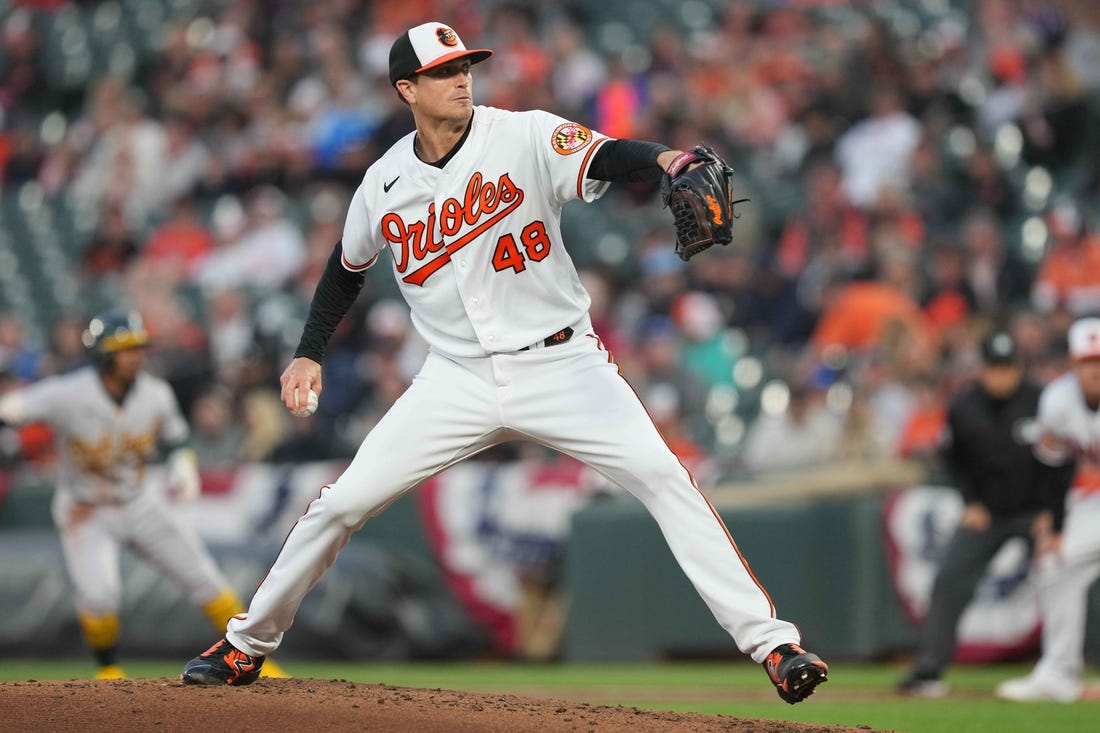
column 1056, row 123
column 525, row 65
column 66, row 348
column 948, row 301
column 577, row 71
column 265, row 422
column 617, row 103
column 922, row 429
column 127, row 158
column 662, row 402
column 863, row 437
column 828, row 233
column 876, row 152
column 216, row 436
column 1009, row 98
column 186, row 159
column 1070, row 276
column 22, row 80
column 803, row 434
column 708, row 350
column 20, row 156
column 182, row 241
column 660, row 361
column 856, row 316
column 993, row 275
column 112, row 246
column 232, row 333
column 663, row 276
column 936, row 199
column 605, row 321
column 268, row 253
column 17, row 357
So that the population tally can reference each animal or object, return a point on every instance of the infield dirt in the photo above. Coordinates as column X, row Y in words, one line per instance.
column 164, row 705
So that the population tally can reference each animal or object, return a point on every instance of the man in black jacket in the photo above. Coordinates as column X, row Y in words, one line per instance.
column 1007, row 491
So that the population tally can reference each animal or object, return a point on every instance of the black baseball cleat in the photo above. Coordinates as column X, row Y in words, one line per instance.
column 222, row 664
column 795, row 672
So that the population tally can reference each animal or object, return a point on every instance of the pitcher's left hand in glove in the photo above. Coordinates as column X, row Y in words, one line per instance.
column 701, row 198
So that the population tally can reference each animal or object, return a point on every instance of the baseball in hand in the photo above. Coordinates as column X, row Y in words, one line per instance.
column 308, row 408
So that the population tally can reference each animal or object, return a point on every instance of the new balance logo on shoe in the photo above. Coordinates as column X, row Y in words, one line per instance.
column 222, row 664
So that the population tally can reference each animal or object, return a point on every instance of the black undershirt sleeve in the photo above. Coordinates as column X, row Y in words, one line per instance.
column 1056, row 482
column 336, row 291
column 626, row 161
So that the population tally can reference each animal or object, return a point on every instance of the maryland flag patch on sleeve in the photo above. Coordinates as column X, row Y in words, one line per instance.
column 569, row 137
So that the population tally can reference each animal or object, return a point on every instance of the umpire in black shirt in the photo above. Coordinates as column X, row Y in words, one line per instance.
column 1008, row 493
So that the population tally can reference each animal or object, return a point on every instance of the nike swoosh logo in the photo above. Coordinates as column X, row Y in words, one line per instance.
column 387, row 186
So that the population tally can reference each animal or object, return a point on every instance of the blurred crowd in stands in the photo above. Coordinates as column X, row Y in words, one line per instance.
column 918, row 170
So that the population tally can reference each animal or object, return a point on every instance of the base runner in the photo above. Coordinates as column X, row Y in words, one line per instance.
column 108, row 420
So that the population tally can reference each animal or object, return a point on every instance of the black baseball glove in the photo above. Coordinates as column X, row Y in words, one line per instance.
column 701, row 200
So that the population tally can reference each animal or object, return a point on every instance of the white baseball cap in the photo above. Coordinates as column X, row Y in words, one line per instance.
column 426, row 46
column 1084, row 339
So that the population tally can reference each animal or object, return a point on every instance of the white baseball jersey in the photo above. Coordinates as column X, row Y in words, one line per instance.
column 1069, row 428
column 103, row 447
column 476, row 246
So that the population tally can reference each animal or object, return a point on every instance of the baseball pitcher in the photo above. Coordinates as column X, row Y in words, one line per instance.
column 467, row 210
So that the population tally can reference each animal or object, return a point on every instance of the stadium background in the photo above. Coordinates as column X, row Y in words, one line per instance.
column 918, row 170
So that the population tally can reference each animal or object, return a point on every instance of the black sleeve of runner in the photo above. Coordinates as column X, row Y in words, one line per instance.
column 627, row 161
column 1056, row 482
column 336, row 291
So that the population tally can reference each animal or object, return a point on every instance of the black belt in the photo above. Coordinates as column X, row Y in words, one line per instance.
column 555, row 339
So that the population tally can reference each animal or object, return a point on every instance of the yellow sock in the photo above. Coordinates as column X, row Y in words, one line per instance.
column 101, row 632
column 110, row 672
column 273, row 669
column 223, row 607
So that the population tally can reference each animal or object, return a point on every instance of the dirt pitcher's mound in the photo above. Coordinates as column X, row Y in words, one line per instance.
column 166, row 706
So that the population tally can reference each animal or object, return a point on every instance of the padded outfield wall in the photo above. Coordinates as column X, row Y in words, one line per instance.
column 847, row 554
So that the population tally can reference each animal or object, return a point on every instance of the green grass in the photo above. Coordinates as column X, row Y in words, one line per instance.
column 855, row 694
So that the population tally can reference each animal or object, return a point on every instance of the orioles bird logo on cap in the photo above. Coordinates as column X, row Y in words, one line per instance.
column 446, row 36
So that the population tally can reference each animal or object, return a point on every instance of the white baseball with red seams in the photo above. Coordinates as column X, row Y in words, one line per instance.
column 477, row 250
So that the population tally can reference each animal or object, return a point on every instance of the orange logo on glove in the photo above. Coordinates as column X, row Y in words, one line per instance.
column 715, row 210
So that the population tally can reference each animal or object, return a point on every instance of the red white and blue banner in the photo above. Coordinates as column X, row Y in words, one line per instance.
column 1002, row 620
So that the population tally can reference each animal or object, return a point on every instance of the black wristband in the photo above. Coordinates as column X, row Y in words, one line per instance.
column 336, row 291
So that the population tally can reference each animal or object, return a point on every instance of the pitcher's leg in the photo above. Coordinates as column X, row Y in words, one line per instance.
column 446, row 415
column 591, row 413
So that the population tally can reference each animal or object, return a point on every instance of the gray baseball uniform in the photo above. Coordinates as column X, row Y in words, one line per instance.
column 102, row 501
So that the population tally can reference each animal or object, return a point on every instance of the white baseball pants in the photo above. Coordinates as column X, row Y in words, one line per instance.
column 569, row 397
column 92, row 538
column 1063, row 588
